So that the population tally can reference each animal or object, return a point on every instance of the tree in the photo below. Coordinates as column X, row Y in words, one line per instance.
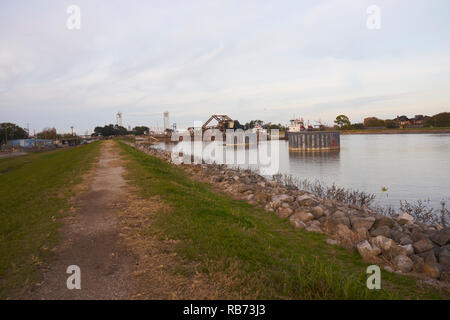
column 110, row 130
column 357, row 126
column 140, row 130
column 11, row 131
column 238, row 125
column 391, row 124
column 253, row 123
column 48, row 133
column 374, row 122
column 342, row 121
column 439, row 120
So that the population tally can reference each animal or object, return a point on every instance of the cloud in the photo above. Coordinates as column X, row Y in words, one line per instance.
column 267, row 60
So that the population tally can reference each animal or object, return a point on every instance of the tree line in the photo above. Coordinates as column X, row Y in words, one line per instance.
column 343, row 122
column 116, row 130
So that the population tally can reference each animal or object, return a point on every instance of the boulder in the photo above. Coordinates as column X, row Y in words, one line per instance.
column 362, row 222
column 444, row 258
column 383, row 221
column 418, row 235
column 338, row 218
column 403, row 263
column 279, row 198
column 418, row 263
column 284, row 212
column 302, row 216
column 445, row 276
column 423, row 245
column 396, row 250
column 382, row 242
column 401, row 237
column 307, row 201
column 442, row 237
column 243, row 188
column 405, row 240
column 317, row 212
column 367, row 251
column 432, row 269
column 261, row 197
column 405, row 218
column 314, row 228
column 428, row 256
column 345, row 235
column 409, row 249
column 381, row 231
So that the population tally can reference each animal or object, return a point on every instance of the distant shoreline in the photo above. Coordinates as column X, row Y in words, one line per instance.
column 397, row 131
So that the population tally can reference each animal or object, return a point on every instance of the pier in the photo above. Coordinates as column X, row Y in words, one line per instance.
column 314, row 140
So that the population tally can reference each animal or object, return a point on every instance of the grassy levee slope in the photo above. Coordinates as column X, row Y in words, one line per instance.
column 248, row 252
column 33, row 190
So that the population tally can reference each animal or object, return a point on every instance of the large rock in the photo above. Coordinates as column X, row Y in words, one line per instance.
column 404, row 263
column 314, row 226
column 401, row 237
column 423, row 245
column 283, row 212
column 297, row 223
column 345, row 235
column 418, row 235
column 405, row 218
column 418, row 263
column 409, row 249
column 307, row 201
column 432, row 269
column 361, row 222
column 278, row 199
column 382, row 242
column 302, row 216
column 338, row 217
column 442, row 237
column 317, row 212
column 381, row 231
column 428, row 256
column 261, row 196
column 395, row 251
column 367, row 251
column 383, row 221
column 445, row 276
column 444, row 258
column 243, row 188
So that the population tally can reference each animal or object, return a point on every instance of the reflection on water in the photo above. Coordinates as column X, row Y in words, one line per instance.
column 411, row 166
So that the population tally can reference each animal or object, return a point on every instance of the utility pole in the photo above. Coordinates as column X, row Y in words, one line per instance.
column 71, row 127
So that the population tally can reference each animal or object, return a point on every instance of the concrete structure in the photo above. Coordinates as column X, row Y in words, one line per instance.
column 119, row 118
column 166, row 120
column 314, row 140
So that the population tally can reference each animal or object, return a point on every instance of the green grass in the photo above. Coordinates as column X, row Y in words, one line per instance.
column 33, row 188
column 260, row 255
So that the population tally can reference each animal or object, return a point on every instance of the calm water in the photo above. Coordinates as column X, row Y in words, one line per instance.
column 411, row 166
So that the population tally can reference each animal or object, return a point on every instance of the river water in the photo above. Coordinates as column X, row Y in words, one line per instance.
column 394, row 167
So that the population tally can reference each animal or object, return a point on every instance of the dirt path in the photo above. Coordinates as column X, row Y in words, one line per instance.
column 103, row 236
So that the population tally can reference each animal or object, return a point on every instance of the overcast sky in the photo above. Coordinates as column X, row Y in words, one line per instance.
column 259, row 59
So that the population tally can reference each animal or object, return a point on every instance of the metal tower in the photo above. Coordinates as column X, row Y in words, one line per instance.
column 119, row 118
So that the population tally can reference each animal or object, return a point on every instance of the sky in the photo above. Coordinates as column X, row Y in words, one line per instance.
column 249, row 59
